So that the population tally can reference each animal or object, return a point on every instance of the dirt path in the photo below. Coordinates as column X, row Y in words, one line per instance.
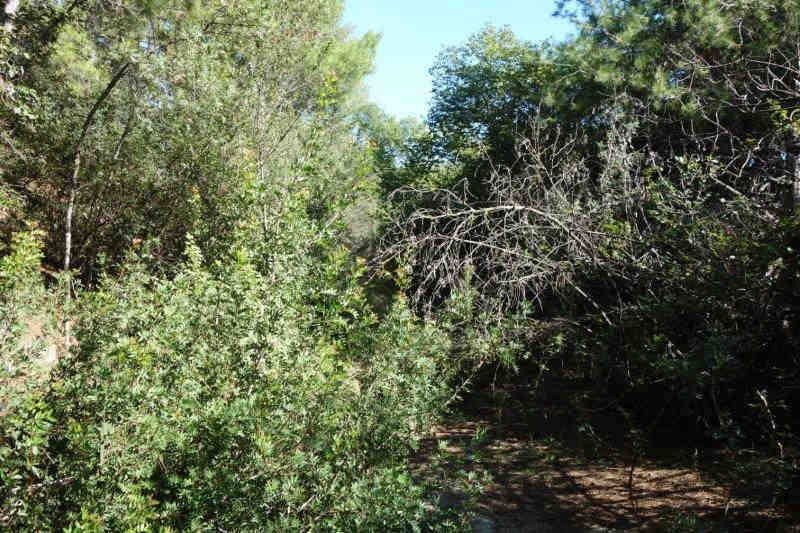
column 522, row 481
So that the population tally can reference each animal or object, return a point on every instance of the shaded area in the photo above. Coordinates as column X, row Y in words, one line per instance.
column 558, row 471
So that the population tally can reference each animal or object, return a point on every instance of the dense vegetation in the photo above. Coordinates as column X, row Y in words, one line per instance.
column 624, row 208
column 234, row 295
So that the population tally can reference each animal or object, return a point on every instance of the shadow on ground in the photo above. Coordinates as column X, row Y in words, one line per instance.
column 548, row 470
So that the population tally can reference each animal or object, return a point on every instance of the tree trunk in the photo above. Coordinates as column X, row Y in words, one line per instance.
column 73, row 191
column 791, row 198
column 73, row 184
column 73, row 187
column 794, row 193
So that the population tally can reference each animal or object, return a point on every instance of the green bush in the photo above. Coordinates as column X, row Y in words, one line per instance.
column 25, row 419
column 214, row 401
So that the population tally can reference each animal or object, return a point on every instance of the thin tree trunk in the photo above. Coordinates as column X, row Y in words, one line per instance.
column 73, row 187
column 794, row 193
column 791, row 190
column 73, row 184
column 68, row 247
column 73, row 191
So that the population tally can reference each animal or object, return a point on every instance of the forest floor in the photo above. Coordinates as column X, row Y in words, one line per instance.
column 526, row 469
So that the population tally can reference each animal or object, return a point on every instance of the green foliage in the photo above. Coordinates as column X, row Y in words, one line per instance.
column 214, row 400
column 217, row 110
column 392, row 146
column 21, row 293
column 617, row 236
column 25, row 419
column 237, row 379
column 619, row 208
column 686, row 523
column 485, row 94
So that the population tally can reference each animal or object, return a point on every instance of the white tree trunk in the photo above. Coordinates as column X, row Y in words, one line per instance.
column 794, row 193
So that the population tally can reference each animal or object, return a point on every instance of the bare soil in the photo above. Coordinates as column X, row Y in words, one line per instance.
column 547, row 478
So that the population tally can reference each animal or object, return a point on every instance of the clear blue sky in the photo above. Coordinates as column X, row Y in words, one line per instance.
column 415, row 31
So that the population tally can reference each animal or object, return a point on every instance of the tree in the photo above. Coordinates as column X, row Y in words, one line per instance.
column 484, row 96
column 180, row 112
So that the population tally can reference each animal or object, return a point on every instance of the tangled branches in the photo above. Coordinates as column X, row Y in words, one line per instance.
column 533, row 226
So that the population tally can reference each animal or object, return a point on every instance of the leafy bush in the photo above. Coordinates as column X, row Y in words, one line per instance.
column 20, row 286
column 216, row 400
column 25, row 332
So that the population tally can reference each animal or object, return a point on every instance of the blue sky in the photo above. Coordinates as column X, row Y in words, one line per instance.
column 414, row 31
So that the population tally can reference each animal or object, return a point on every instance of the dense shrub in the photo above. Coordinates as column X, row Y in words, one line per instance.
column 27, row 334
column 630, row 220
column 216, row 400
